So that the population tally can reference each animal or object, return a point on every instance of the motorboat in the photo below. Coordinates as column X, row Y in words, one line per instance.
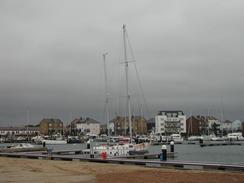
column 37, row 139
column 53, row 142
column 176, row 138
column 194, row 138
column 235, row 136
column 22, row 146
column 55, row 139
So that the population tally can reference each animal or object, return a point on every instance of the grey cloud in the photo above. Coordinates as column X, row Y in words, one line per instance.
column 189, row 55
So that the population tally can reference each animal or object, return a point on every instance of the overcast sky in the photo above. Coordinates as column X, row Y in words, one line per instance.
column 189, row 55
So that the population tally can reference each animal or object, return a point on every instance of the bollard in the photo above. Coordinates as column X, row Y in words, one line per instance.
column 104, row 155
column 163, row 155
column 91, row 151
column 172, row 146
column 49, row 153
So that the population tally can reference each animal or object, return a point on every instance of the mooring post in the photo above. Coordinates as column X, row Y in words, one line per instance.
column 163, row 155
column 172, row 146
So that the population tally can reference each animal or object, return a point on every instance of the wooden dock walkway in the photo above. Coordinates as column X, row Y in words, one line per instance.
column 149, row 163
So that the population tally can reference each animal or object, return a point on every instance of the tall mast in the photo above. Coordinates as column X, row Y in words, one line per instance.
column 126, row 78
column 28, row 122
column 106, row 92
column 208, row 120
column 222, row 117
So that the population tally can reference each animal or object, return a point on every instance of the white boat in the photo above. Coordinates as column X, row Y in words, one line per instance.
column 177, row 138
column 55, row 139
column 235, row 136
column 37, row 139
column 22, row 146
column 208, row 137
column 219, row 138
column 194, row 138
column 53, row 142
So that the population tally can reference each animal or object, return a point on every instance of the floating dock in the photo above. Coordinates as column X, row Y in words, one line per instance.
column 219, row 143
column 148, row 163
column 137, row 156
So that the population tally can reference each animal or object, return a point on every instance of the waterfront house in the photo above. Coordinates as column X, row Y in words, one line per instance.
column 227, row 126
column 200, row 125
column 170, row 122
column 51, row 126
column 151, row 125
column 213, row 121
column 85, row 126
column 193, row 126
column 121, row 125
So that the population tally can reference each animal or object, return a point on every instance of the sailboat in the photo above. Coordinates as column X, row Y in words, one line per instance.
column 126, row 148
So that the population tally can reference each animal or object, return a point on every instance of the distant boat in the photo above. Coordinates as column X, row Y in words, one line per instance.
column 219, row 138
column 235, row 136
column 176, row 138
column 54, row 142
column 56, row 139
column 37, row 139
column 194, row 138
column 22, row 147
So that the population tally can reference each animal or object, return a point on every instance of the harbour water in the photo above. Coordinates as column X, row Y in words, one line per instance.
column 223, row 154
column 184, row 152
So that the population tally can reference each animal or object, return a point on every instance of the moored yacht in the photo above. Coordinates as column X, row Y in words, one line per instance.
column 127, row 146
